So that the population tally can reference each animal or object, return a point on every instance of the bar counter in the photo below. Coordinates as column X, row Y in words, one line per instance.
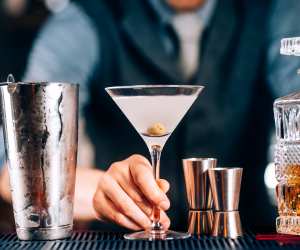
column 115, row 241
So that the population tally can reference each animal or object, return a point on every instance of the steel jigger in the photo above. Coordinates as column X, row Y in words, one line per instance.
column 199, row 194
column 225, row 186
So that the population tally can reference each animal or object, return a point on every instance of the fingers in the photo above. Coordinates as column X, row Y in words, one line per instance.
column 142, row 175
column 133, row 192
column 139, row 159
column 121, row 173
column 108, row 211
column 127, row 192
column 144, row 205
column 164, row 220
column 123, row 202
column 163, row 184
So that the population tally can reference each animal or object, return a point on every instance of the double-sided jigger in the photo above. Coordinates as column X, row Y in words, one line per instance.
column 226, row 185
column 199, row 194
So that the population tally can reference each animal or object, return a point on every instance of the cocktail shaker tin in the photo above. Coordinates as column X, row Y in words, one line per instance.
column 40, row 123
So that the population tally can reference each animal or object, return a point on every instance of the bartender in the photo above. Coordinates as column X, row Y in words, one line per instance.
column 230, row 47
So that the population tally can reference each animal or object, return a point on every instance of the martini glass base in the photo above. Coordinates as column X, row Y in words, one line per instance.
column 159, row 235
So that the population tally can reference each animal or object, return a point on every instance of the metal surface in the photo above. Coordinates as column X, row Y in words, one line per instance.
column 200, row 222
column 225, row 185
column 112, row 241
column 227, row 224
column 197, row 182
column 40, row 131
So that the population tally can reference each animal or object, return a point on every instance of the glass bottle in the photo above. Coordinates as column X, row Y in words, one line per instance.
column 287, row 152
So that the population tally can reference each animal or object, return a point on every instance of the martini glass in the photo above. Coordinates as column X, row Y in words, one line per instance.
column 155, row 111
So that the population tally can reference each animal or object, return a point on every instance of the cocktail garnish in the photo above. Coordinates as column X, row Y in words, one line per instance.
column 157, row 129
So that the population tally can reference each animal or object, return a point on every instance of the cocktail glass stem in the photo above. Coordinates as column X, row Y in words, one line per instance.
column 155, row 151
column 154, row 111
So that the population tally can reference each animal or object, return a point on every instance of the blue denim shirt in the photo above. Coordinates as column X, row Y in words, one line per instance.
column 65, row 36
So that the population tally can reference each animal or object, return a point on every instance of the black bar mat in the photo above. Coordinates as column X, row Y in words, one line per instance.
column 113, row 241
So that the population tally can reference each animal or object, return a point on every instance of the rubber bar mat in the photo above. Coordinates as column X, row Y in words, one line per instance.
column 113, row 241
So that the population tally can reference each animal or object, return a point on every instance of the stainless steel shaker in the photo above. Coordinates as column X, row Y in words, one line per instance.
column 40, row 123
column 199, row 194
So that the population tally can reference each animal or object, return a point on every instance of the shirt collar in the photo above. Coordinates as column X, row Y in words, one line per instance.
column 165, row 13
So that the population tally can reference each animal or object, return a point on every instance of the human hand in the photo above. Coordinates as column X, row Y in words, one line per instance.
column 127, row 192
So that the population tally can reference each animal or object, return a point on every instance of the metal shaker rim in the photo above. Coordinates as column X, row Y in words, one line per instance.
column 41, row 83
column 199, row 159
column 227, row 168
column 200, row 163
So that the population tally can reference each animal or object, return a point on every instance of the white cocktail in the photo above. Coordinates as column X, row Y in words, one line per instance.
column 155, row 111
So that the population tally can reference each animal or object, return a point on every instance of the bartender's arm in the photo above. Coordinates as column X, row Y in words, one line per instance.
column 126, row 192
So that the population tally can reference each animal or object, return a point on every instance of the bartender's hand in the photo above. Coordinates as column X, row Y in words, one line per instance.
column 127, row 192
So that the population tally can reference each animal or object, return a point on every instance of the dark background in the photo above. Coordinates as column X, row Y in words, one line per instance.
column 19, row 26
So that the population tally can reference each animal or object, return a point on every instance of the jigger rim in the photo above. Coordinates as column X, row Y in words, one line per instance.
column 193, row 159
column 226, row 168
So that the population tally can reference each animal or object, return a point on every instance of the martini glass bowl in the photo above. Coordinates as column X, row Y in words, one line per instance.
column 155, row 111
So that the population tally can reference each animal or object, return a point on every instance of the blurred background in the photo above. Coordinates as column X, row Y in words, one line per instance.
column 20, row 21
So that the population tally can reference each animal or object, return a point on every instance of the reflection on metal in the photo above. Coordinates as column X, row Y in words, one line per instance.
column 40, row 132
column 197, row 182
column 227, row 224
column 200, row 222
column 226, row 185
column 199, row 194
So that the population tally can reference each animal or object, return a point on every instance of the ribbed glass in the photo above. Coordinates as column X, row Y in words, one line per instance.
column 290, row 46
column 287, row 162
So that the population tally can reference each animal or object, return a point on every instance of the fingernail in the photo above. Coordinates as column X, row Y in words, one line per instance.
column 164, row 205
